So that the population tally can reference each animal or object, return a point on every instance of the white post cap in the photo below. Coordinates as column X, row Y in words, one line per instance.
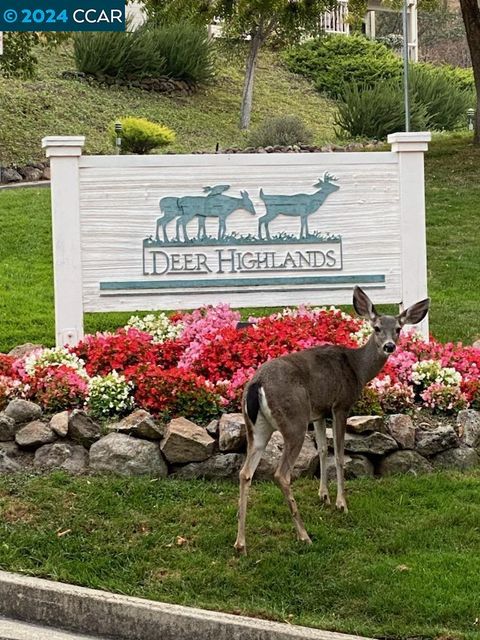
column 63, row 145
column 410, row 140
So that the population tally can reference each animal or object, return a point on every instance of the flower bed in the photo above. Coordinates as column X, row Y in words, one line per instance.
column 196, row 364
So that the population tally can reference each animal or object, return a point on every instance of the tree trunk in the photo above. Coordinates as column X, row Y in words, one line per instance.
column 246, row 108
column 471, row 18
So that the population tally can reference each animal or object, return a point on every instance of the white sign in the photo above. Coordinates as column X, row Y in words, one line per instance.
column 178, row 231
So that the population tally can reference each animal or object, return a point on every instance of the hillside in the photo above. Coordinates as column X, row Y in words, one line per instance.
column 52, row 105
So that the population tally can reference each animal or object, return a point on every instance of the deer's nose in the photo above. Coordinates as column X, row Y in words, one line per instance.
column 389, row 347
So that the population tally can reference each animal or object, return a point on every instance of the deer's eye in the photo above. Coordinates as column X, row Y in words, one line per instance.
column 398, row 329
column 377, row 329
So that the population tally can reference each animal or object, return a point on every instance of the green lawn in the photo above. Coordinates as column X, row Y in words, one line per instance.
column 453, row 205
column 51, row 105
column 404, row 563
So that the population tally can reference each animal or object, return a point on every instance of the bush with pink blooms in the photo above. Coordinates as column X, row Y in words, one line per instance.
column 199, row 365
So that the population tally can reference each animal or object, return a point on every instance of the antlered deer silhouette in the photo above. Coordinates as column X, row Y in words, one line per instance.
column 300, row 205
column 213, row 205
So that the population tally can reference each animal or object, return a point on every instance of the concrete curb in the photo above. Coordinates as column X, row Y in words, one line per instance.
column 26, row 185
column 125, row 618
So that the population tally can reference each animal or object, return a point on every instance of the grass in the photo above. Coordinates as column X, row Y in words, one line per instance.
column 403, row 563
column 200, row 121
column 453, row 202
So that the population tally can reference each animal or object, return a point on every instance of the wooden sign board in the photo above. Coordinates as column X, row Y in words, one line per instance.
column 179, row 231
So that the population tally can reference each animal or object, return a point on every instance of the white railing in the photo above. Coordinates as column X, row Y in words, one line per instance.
column 336, row 21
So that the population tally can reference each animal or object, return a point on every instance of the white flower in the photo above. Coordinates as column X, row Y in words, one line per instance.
column 158, row 326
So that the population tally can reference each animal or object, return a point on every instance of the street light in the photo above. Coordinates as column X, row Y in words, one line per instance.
column 118, row 137
column 470, row 119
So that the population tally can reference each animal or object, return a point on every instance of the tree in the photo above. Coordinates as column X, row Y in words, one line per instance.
column 255, row 21
column 471, row 18
column 19, row 58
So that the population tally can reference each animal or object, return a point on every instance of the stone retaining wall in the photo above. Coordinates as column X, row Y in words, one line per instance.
column 138, row 445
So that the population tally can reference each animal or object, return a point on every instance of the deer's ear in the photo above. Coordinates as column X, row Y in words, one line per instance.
column 414, row 314
column 363, row 305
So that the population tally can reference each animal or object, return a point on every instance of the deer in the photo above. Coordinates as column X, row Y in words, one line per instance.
column 292, row 391
column 300, row 205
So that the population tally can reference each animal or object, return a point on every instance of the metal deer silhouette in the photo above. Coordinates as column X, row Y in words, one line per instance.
column 299, row 205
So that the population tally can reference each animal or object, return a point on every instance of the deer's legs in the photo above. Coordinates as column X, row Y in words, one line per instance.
column 263, row 221
column 283, row 476
column 262, row 432
column 321, row 438
column 339, row 426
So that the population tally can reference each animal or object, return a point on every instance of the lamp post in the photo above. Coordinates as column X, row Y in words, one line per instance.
column 405, row 65
column 470, row 119
column 118, row 137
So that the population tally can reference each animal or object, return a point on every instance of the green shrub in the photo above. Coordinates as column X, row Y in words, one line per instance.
column 282, row 130
column 333, row 62
column 141, row 136
column 374, row 112
column 180, row 51
column 444, row 101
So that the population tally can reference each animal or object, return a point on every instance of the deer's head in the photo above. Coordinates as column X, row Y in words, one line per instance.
column 386, row 329
column 326, row 183
column 247, row 203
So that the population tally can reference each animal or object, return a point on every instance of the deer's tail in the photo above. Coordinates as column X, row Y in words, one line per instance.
column 252, row 402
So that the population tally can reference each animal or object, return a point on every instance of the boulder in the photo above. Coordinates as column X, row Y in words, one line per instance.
column 221, row 465
column 212, row 428
column 365, row 424
column 232, row 433
column 305, row 465
column 374, row 443
column 468, row 424
column 354, row 467
column 402, row 430
column 34, row 435
column 404, row 462
column 31, row 174
column 7, row 465
column 82, row 429
column 461, row 458
column 22, row 411
column 127, row 456
column 61, row 455
column 432, row 441
column 23, row 350
column 186, row 442
column 139, row 424
column 59, row 423
column 7, row 428
column 9, row 174
column 12, row 450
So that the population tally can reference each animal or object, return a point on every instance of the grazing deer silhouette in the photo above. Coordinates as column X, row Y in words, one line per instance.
column 287, row 393
column 299, row 205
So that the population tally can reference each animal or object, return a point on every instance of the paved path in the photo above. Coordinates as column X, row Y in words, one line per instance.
column 12, row 630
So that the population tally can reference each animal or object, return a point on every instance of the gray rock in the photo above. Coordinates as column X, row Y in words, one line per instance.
column 186, row 442
column 305, row 465
column 371, row 443
column 476, row 344
column 139, row 424
column 23, row 411
column 7, row 465
column 354, row 467
column 365, row 424
column 31, row 174
column 61, row 455
column 468, row 423
column 432, row 441
column 461, row 458
column 12, row 450
column 7, row 428
column 34, row 434
column 9, row 174
column 127, row 456
column 402, row 430
column 404, row 462
column 24, row 349
column 232, row 433
column 59, row 423
column 212, row 428
column 222, row 465
column 82, row 429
